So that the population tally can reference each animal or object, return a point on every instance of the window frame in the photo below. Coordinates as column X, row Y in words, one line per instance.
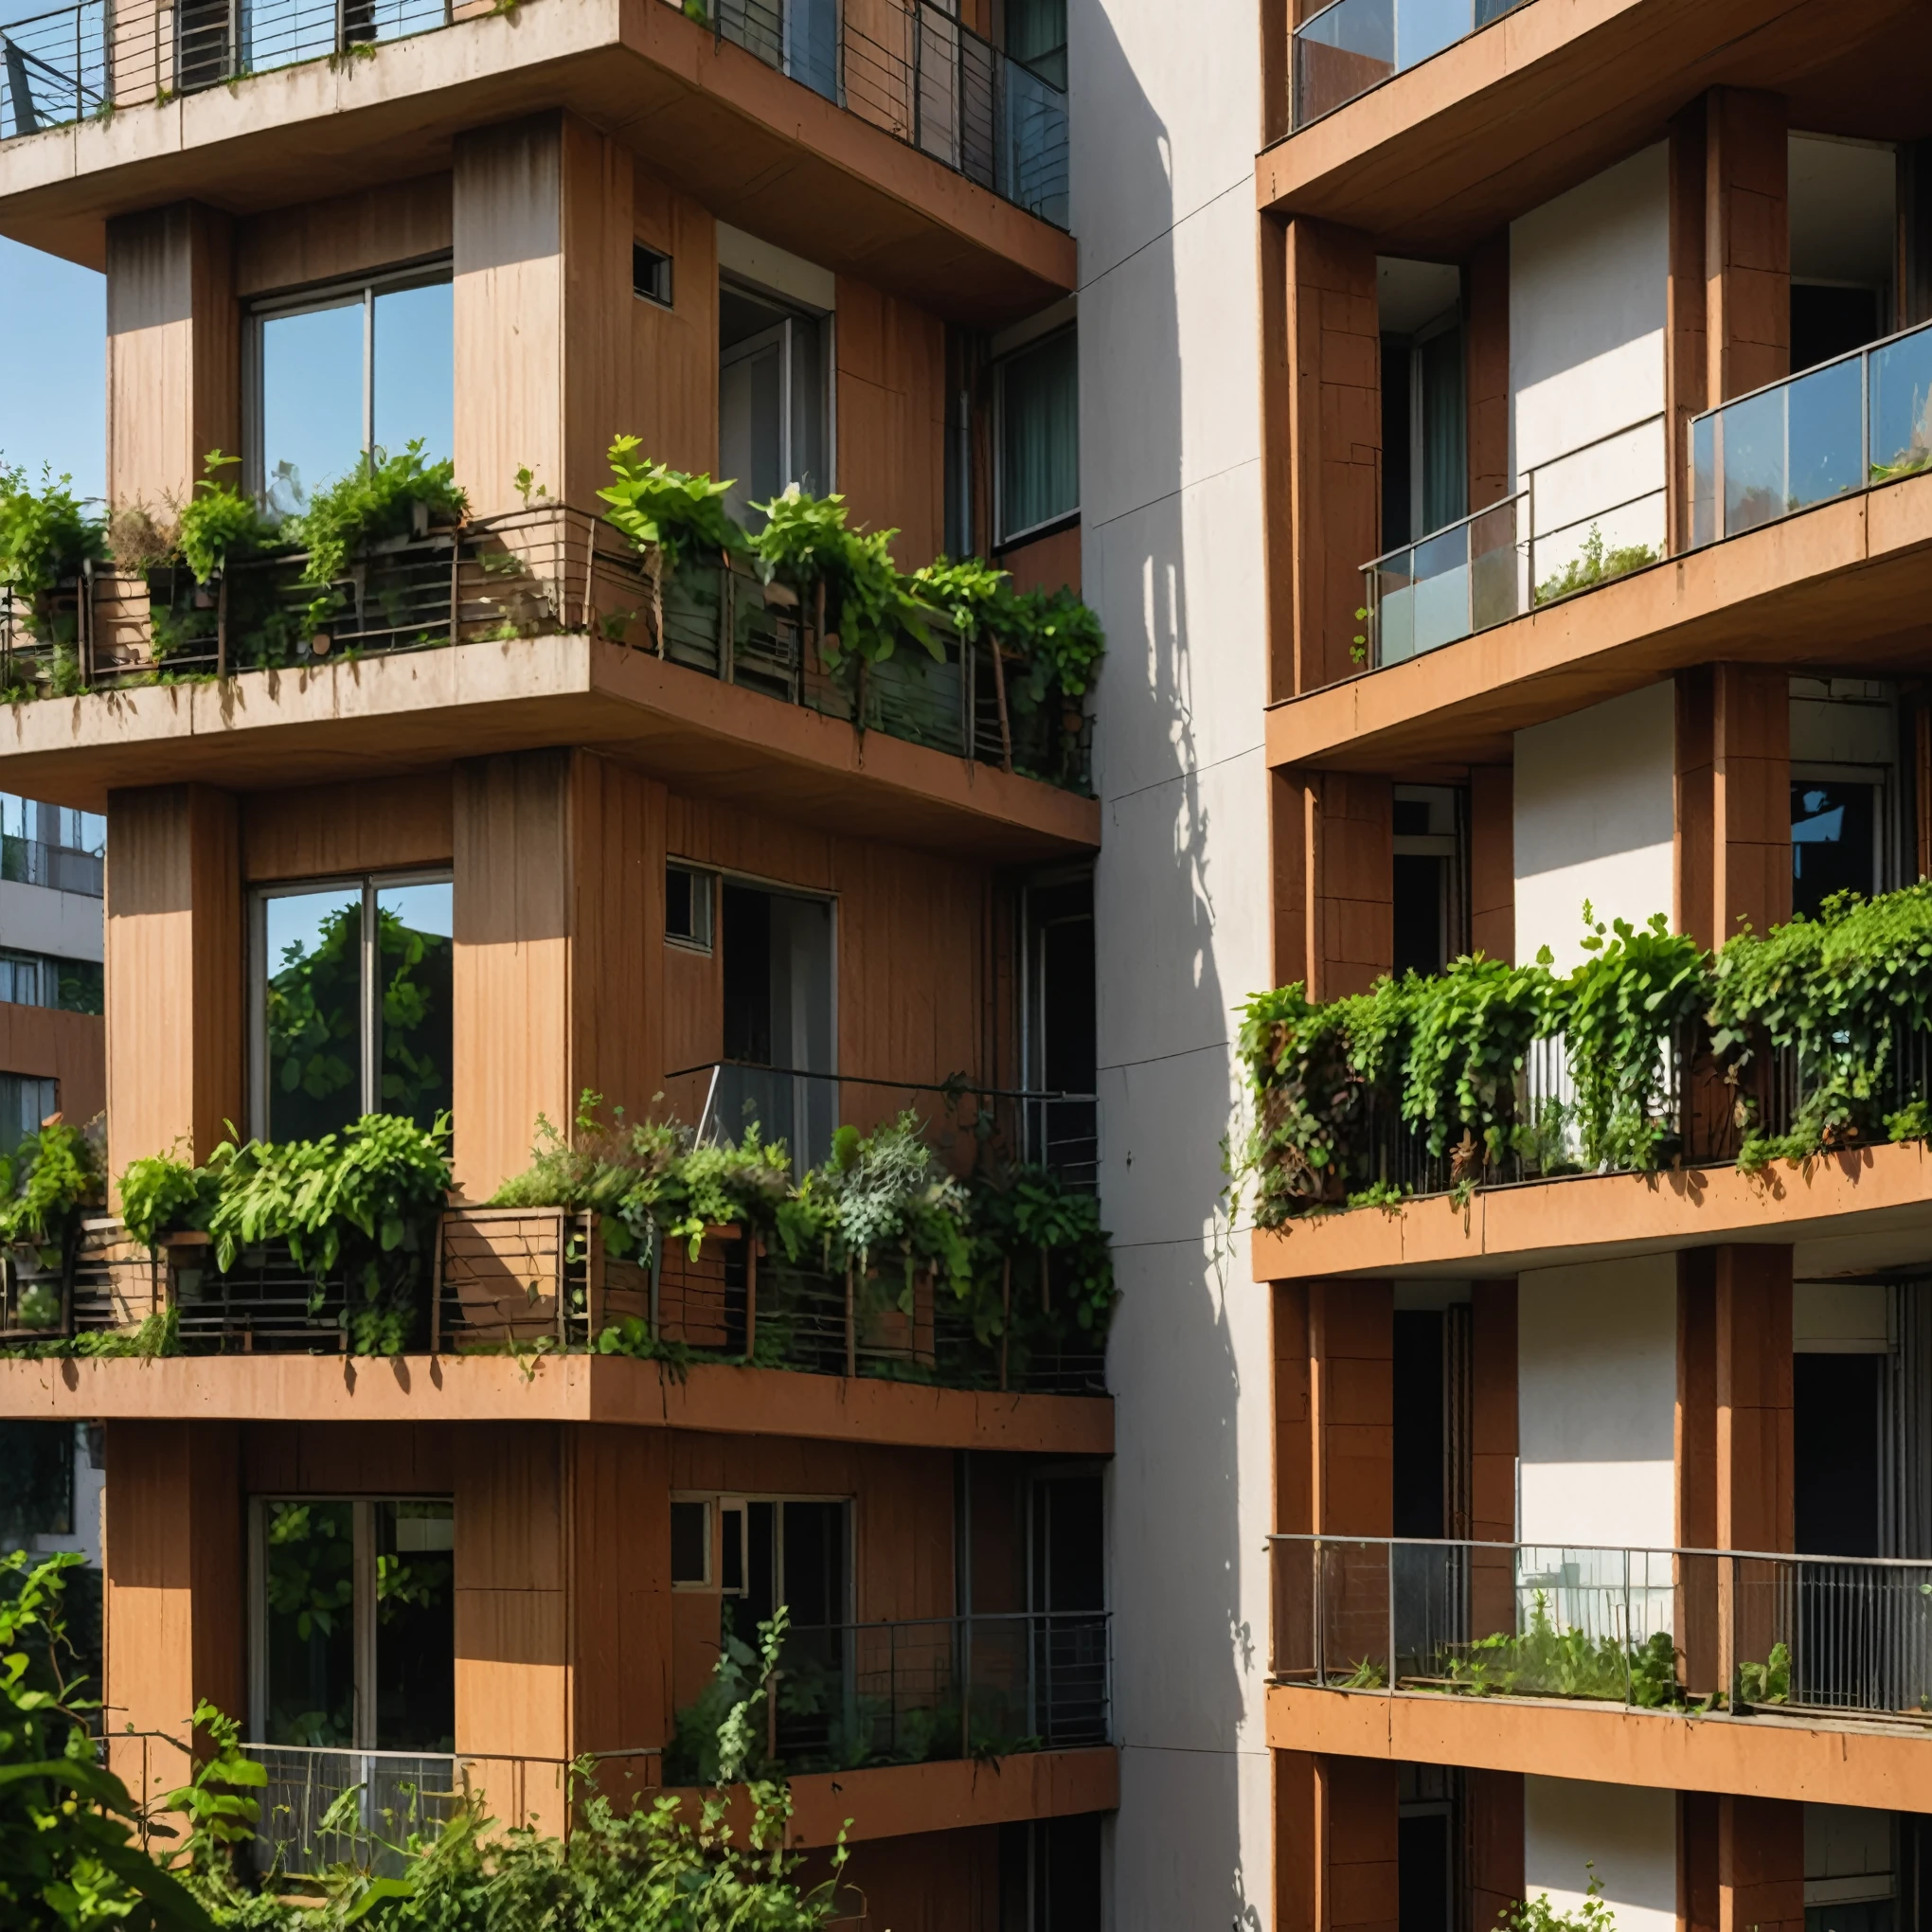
column 429, row 272
column 371, row 884
column 361, row 1608
column 1888, row 838
column 1004, row 537
column 791, row 309
column 708, row 878
column 723, row 1502
column 711, row 1584
column 662, row 266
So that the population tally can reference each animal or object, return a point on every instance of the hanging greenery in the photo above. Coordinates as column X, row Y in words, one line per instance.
column 670, row 510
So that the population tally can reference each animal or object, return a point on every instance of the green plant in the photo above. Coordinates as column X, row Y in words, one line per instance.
column 376, row 499
column 68, row 1857
column 47, row 1178
column 670, row 510
column 1768, row 1682
column 219, row 524
column 1595, row 564
column 46, row 534
column 1622, row 1010
column 1539, row 1915
column 807, row 544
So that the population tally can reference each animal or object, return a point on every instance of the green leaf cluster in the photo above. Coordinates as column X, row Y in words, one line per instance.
column 219, row 524
column 1596, row 563
column 807, row 544
column 1539, row 1915
column 46, row 533
column 1055, row 637
column 375, row 500
column 48, row 1179
column 670, row 510
column 1543, row 1661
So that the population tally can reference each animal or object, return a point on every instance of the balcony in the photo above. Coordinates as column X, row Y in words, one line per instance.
column 60, row 868
column 1822, row 1640
column 1580, row 519
column 508, row 582
column 1847, row 425
column 1355, row 45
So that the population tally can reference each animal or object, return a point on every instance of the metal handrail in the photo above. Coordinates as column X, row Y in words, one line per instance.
column 1831, row 362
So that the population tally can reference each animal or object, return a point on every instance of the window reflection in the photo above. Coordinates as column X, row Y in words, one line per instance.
column 312, row 402
column 309, row 1638
column 314, row 1012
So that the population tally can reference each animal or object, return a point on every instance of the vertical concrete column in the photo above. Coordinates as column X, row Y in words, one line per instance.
column 1753, row 1386
column 1336, row 1861
column 558, row 906
column 1494, row 1830
column 1687, row 356
column 1759, row 1865
column 1747, row 243
column 174, row 1592
column 1733, row 803
column 1695, row 1430
column 1333, row 863
column 174, row 352
column 1493, row 861
column 175, row 967
column 1351, row 1384
column 1493, row 1441
column 1333, row 423
column 541, row 218
column 1486, row 308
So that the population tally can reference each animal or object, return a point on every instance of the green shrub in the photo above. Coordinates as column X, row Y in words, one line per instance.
column 46, row 534
column 375, row 500
column 679, row 513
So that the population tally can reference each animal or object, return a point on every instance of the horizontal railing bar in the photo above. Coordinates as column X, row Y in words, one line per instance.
column 1830, row 363
column 1596, row 442
column 1416, row 542
column 1324, row 1537
column 924, row 1086
column 417, row 1757
column 1577, row 521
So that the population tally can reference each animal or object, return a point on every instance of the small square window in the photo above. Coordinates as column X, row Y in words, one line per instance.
column 691, row 1543
column 650, row 274
column 687, row 907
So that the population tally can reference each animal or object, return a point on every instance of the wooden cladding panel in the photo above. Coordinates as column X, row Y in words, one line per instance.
column 345, row 234
column 1049, row 562
column 1687, row 363
column 1755, row 1499
column 1733, row 800
column 374, row 825
column 1487, row 278
column 1746, row 241
column 174, row 352
column 891, row 381
column 1759, row 1865
column 372, row 1459
column 674, row 350
column 1493, row 862
column 1492, row 1819
column 930, row 1881
column 175, row 970
column 1331, row 837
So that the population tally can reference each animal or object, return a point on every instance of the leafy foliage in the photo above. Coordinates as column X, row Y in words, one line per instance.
column 1595, row 564
column 69, row 1858
column 1543, row 1661
column 374, row 500
column 654, row 504
column 363, row 1202
column 1539, row 1915
column 46, row 534
column 48, row 1178
column 219, row 524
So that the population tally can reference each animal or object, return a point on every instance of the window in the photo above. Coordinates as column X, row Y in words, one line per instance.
column 774, row 387
column 37, row 1498
column 75, row 986
column 650, row 274
column 352, row 1003
column 687, row 907
column 354, row 1623
column 1430, row 921
column 795, row 1551
column 1837, row 820
column 777, row 1020
column 25, row 1103
column 1038, row 393
column 339, row 374
column 691, row 1545
column 1062, row 1048
column 1036, row 37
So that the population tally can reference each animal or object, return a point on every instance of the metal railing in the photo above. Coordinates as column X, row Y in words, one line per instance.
column 1057, row 1131
column 918, row 73
column 1509, row 558
column 1748, row 1632
column 531, row 573
column 1355, row 45
column 65, row 869
column 1849, row 425
column 945, row 1687
column 921, row 74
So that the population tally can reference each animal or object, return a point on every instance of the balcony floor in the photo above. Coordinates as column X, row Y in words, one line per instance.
column 1756, row 1757
column 712, row 1398
column 1845, row 1214
column 755, row 147
column 419, row 710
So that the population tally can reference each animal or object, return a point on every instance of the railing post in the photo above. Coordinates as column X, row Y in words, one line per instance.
column 1389, row 1580
column 1629, row 1634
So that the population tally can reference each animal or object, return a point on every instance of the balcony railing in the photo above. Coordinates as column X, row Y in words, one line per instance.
column 1355, row 45
column 1847, row 426
column 1580, row 519
column 1822, row 1638
column 913, row 69
column 1057, row 1131
column 65, row 869
column 532, row 573
column 945, row 1687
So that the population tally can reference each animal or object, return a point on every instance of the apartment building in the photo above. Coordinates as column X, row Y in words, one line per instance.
column 633, row 836
column 1588, row 430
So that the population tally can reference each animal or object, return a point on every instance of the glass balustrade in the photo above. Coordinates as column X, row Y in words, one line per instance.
column 1355, row 45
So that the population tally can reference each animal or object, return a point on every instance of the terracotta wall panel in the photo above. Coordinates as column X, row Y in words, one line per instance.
column 1333, row 855
column 930, row 1881
column 1049, row 562
column 1733, row 812
column 674, row 351
column 345, row 234
column 1493, row 862
column 1759, row 1865
column 1747, row 243
column 891, row 383
column 1486, row 306
column 373, row 825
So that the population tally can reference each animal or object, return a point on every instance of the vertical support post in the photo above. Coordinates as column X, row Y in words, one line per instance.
column 1006, row 731
column 222, row 625
column 657, row 1274
column 1388, row 1583
column 852, row 1338
column 1006, row 1317
column 751, row 1254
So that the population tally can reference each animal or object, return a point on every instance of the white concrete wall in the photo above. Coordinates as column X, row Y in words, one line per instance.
column 1588, row 282
column 1596, row 1393
column 1627, row 1835
column 1164, row 122
column 36, row 919
column 1595, row 818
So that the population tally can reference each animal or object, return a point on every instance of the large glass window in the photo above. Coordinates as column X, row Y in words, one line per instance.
column 75, row 986
column 1039, row 436
column 774, row 391
column 779, row 1019
column 342, row 373
column 1036, row 35
column 354, row 1623
column 351, row 994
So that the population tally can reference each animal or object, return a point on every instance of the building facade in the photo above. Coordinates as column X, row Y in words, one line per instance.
column 512, row 810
